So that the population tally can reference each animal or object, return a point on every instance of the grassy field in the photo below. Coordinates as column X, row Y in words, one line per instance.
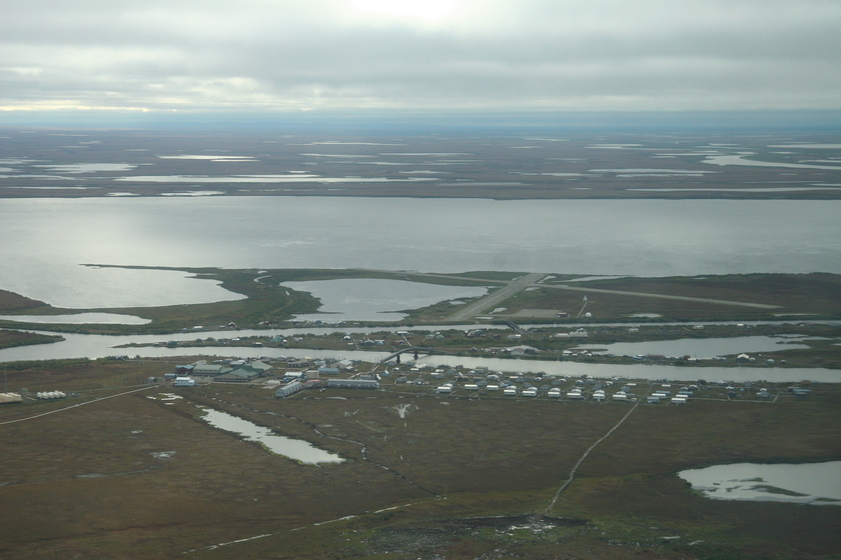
column 9, row 338
column 808, row 295
column 137, row 476
column 10, row 301
column 268, row 303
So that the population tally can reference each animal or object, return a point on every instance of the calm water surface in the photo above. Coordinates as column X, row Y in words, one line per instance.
column 79, row 319
column 97, row 346
column 43, row 241
column 807, row 483
column 702, row 348
column 369, row 299
column 288, row 447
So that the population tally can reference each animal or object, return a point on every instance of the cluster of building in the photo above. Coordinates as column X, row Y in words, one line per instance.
column 484, row 382
column 579, row 333
column 224, row 370
column 312, row 374
column 42, row 395
column 10, row 398
column 49, row 395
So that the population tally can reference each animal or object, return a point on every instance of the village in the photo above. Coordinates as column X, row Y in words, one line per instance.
column 291, row 376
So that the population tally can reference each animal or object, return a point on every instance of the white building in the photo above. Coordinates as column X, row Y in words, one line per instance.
column 288, row 389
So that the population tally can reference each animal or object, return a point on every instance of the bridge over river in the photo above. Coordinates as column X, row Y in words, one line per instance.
column 414, row 349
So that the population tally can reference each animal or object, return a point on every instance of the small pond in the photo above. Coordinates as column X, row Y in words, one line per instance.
column 703, row 348
column 367, row 299
column 806, row 483
column 296, row 449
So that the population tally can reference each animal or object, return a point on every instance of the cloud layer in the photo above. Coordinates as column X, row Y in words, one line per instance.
column 278, row 55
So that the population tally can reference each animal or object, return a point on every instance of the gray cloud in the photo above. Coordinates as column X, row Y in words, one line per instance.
column 488, row 54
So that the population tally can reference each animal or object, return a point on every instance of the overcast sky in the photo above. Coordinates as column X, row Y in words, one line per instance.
column 487, row 55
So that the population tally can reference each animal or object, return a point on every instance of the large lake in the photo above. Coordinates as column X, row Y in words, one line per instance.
column 44, row 241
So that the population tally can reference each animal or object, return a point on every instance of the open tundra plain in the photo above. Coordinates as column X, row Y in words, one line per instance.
column 422, row 475
column 528, row 165
column 520, row 419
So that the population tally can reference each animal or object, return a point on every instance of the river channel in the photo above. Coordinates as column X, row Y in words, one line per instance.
column 99, row 346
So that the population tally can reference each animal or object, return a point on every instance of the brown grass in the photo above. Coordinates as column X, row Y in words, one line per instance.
column 484, row 456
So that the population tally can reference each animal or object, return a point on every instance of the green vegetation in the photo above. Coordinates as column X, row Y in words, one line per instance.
column 633, row 300
column 804, row 296
column 9, row 339
column 11, row 302
column 269, row 303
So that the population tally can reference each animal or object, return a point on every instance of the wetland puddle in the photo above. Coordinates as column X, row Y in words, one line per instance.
column 807, row 483
column 298, row 450
column 704, row 348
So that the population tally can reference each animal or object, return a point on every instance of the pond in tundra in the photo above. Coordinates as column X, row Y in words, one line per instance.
column 806, row 483
column 703, row 348
column 368, row 299
column 296, row 449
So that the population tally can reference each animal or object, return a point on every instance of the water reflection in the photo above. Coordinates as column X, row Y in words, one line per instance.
column 99, row 346
column 703, row 348
column 79, row 319
column 369, row 299
column 293, row 448
column 680, row 237
column 808, row 483
column 71, row 286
